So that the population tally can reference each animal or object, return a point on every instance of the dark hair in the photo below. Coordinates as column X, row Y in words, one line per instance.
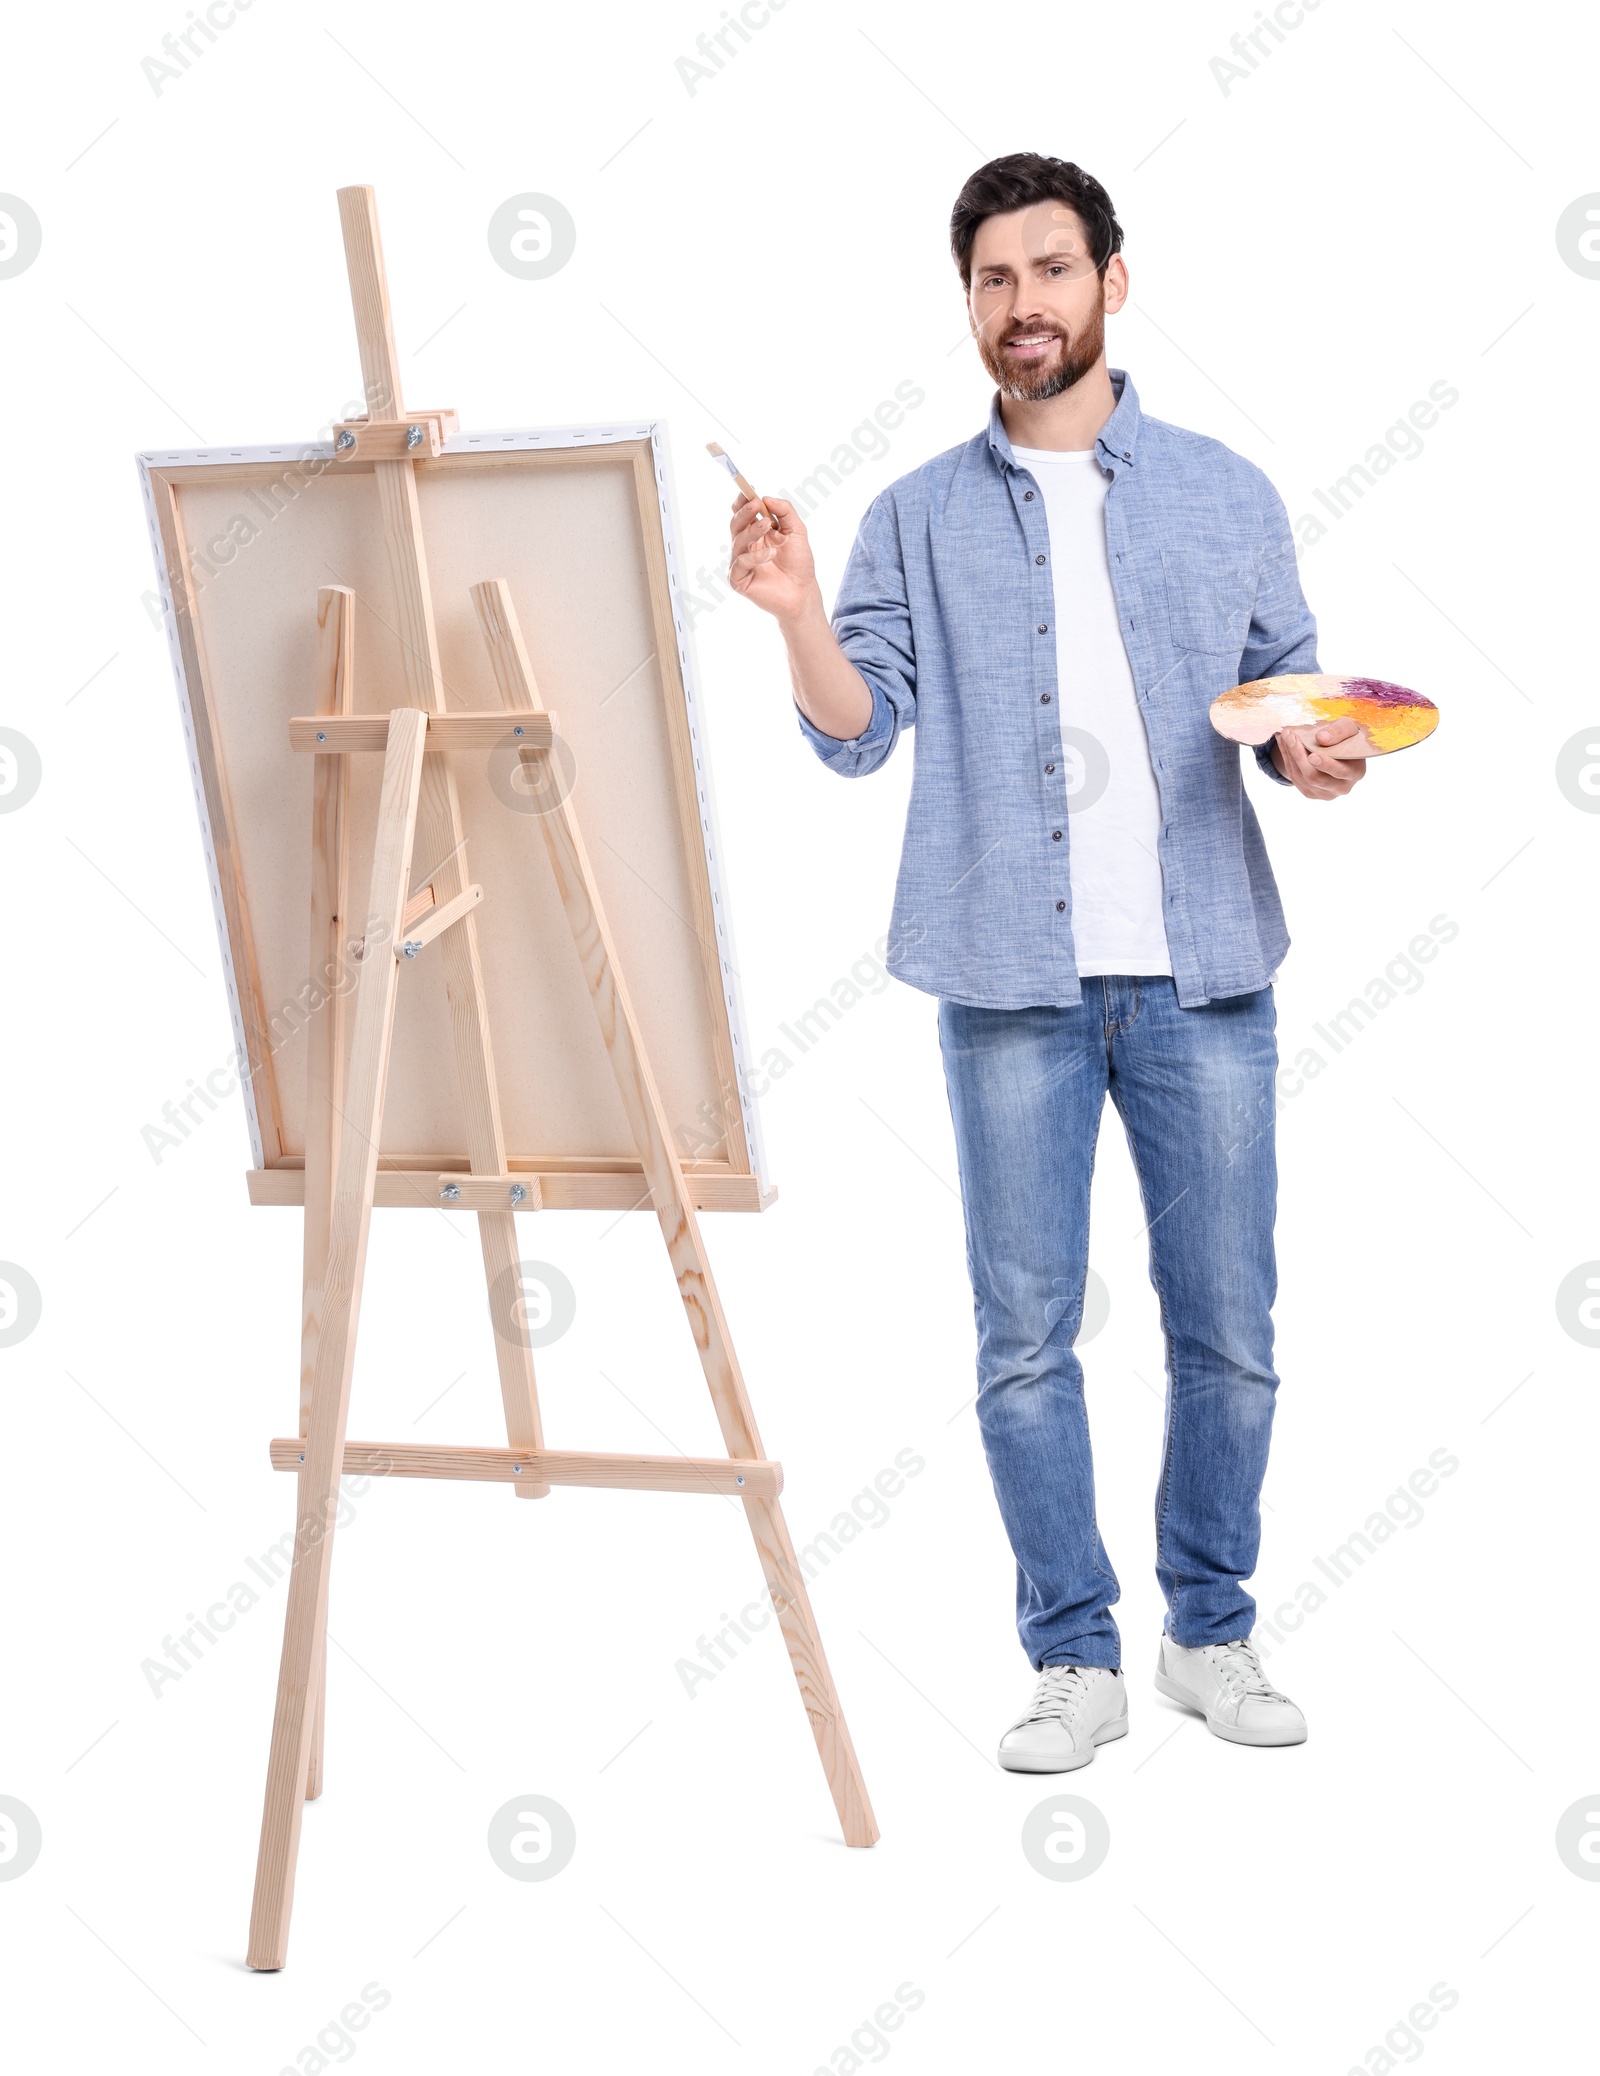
column 1021, row 179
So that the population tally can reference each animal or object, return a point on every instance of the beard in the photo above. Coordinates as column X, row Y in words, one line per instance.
column 1036, row 383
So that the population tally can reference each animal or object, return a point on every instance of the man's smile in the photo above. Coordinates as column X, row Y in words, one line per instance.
column 1031, row 345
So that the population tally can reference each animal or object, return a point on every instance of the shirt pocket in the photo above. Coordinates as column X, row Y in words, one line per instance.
column 1211, row 593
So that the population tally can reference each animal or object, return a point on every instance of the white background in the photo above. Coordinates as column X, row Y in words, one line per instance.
column 761, row 261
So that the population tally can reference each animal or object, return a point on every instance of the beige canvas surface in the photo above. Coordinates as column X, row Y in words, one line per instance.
column 566, row 533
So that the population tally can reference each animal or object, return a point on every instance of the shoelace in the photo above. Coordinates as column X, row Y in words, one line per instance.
column 1062, row 1691
column 1239, row 1668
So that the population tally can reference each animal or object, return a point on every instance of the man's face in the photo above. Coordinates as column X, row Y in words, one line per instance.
column 1037, row 306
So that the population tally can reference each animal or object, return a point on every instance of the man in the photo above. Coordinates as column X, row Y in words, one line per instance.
column 1054, row 605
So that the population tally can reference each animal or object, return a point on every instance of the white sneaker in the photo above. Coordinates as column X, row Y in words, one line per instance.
column 1225, row 1684
column 1074, row 1708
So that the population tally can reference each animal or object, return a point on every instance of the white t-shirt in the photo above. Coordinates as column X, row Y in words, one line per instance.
column 1111, row 788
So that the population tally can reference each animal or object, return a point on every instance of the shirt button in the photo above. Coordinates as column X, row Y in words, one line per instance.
column 1027, row 497
column 1038, row 558
column 1044, row 626
column 1060, row 905
column 1055, row 835
column 1048, row 769
column 1044, row 699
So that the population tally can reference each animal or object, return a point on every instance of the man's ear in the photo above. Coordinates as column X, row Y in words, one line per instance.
column 1116, row 284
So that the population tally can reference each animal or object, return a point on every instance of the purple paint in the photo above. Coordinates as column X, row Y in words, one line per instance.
column 1381, row 692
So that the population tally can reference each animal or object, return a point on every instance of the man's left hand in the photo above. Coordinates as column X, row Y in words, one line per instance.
column 1318, row 776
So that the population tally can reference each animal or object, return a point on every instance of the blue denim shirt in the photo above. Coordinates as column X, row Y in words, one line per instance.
column 947, row 609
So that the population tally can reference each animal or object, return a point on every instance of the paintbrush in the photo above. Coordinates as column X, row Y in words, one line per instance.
column 721, row 454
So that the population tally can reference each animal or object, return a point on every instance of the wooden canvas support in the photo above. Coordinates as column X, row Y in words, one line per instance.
column 411, row 1183
column 420, row 896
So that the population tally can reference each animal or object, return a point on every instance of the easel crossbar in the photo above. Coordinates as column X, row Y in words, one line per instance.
column 742, row 1477
column 341, row 735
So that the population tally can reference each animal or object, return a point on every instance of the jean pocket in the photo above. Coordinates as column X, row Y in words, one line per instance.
column 1210, row 597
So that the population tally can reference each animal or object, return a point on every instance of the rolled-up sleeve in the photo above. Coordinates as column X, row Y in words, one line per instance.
column 1283, row 630
column 872, row 621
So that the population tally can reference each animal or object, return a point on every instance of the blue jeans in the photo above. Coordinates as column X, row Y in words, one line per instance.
column 1194, row 1088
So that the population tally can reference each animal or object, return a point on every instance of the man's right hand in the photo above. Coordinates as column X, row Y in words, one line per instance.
column 772, row 566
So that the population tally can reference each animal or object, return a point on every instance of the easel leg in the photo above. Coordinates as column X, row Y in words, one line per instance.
column 497, row 1232
column 787, row 1585
column 647, row 1117
column 305, row 1620
column 319, row 1715
column 330, row 886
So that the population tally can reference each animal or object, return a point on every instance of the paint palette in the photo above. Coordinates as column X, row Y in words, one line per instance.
column 1390, row 717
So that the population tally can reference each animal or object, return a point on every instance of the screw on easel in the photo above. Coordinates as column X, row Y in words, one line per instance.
column 413, row 435
column 411, row 947
column 516, row 1470
column 516, row 731
column 302, row 1455
column 519, row 1195
column 737, row 1479
column 345, row 442
column 322, row 735
column 452, row 1190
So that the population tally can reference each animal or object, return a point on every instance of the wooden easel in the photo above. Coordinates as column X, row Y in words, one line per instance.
column 345, row 1087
